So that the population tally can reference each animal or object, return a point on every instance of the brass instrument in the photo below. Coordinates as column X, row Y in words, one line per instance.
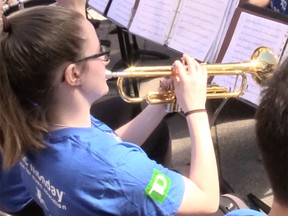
column 261, row 65
column 16, row 4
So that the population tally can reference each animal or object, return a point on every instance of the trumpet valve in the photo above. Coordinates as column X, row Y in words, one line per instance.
column 216, row 89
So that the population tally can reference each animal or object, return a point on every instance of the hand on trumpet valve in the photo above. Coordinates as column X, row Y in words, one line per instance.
column 190, row 83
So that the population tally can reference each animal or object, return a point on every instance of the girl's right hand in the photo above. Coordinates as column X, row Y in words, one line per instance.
column 190, row 84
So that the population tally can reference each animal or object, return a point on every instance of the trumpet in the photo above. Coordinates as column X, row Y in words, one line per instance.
column 7, row 5
column 261, row 65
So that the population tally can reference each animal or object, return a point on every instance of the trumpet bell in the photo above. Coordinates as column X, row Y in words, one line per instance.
column 265, row 63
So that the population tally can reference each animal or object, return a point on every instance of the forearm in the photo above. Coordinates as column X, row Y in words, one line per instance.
column 139, row 129
column 203, row 169
column 259, row 3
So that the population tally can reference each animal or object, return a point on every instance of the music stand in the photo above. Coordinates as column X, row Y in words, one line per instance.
column 130, row 52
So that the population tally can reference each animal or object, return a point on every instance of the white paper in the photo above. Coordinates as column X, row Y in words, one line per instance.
column 215, row 48
column 121, row 12
column 250, row 33
column 98, row 5
column 153, row 19
column 197, row 26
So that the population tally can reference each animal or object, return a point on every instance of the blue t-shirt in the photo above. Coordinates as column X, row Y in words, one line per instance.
column 91, row 171
column 245, row 212
column 280, row 6
column 13, row 194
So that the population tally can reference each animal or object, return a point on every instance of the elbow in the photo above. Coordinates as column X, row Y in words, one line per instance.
column 216, row 202
column 212, row 202
column 213, row 206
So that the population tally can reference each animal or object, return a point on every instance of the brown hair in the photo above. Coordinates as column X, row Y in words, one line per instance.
column 39, row 41
column 272, row 132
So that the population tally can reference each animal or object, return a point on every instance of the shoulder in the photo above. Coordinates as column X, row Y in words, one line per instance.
column 245, row 212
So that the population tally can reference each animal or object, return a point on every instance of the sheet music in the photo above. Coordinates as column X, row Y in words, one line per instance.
column 98, row 5
column 215, row 48
column 121, row 11
column 153, row 19
column 285, row 52
column 250, row 33
column 197, row 26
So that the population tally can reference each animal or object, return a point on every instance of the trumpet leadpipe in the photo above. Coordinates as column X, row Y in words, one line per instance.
column 141, row 72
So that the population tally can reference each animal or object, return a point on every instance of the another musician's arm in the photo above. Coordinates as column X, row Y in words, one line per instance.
column 76, row 5
column 260, row 3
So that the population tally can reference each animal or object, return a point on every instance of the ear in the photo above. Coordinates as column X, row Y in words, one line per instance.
column 72, row 75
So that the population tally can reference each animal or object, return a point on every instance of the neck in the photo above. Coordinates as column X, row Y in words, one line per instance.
column 61, row 117
column 71, row 110
column 68, row 125
column 63, row 122
column 278, row 209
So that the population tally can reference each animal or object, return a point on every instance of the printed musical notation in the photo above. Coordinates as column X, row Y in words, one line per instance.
column 197, row 26
column 250, row 33
column 121, row 11
column 99, row 6
column 153, row 19
column 188, row 26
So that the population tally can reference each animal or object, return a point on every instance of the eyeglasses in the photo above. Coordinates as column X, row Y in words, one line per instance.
column 104, row 51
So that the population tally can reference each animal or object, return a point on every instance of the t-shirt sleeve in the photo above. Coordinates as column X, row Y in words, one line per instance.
column 150, row 188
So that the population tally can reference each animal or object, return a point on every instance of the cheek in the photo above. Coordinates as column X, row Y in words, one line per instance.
column 94, row 72
column 95, row 81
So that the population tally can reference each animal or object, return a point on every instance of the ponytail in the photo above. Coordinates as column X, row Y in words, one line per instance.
column 32, row 38
column 18, row 131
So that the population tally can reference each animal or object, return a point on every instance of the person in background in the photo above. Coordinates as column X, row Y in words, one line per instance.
column 80, row 6
column 272, row 132
column 73, row 164
column 259, row 3
column 280, row 6
column 76, row 5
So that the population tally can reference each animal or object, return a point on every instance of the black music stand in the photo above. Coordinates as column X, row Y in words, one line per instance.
column 259, row 204
column 130, row 52
column 146, row 52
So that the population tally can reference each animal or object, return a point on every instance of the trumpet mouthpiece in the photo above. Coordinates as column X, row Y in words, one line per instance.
column 108, row 74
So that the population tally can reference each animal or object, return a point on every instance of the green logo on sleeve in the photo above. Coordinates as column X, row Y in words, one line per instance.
column 158, row 187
